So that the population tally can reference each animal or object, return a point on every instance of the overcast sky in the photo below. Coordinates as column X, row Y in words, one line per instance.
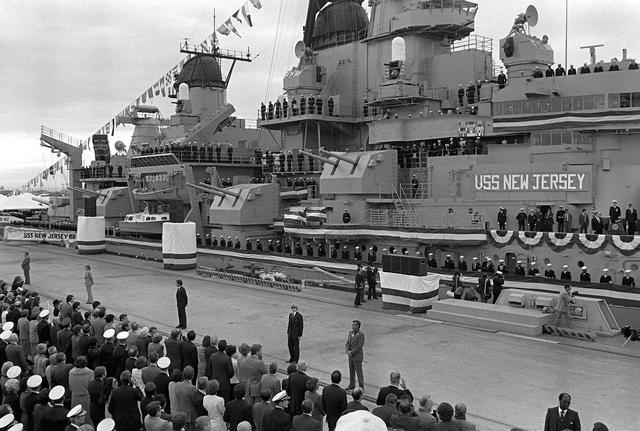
column 73, row 65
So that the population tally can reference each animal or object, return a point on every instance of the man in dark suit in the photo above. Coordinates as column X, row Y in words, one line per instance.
column 181, row 300
column 239, row 410
column 173, row 346
column 294, row 333
column 304, row 421
column 334, row 400
column 189, row 353
column 26, row 267
column 353, row 346
column 631, row 216
column 356, row 403
column 297, row 387
column 220, row 368
column 397, row 382
column 596, row 224
column 562, row 417
column 278, row 419
column 124, row 404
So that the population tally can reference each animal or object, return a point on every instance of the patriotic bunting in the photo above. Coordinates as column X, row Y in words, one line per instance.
column 256, row 4
column 246, row 15
column 231, row 27
column 502, row 238
column 236, row 16
column 227, row 27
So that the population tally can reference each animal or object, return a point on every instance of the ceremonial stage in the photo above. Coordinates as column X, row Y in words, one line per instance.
column 505, row 380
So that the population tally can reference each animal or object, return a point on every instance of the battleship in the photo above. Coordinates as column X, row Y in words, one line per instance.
column 397, row 132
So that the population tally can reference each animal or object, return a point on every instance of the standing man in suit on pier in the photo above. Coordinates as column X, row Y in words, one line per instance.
column 181, row 301
column 353, row 346
column 562, row 418
column 26, row 267
column 294, row 333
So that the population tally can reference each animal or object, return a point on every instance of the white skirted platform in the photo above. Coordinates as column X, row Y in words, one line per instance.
column 90, row 235
column 179, row 245
column 408, row 292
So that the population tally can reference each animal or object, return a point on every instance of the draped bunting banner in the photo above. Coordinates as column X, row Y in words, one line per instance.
column 46, row 174
column 559, row 241
column 228, row 27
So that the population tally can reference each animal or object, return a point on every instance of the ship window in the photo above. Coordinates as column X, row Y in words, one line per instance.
column 546, row 106
column 556, row 104
column 130, row 218
column 556, row 138
column 508, row 108
column 588, row 102
column 577, row 103
column 526, row 107
column 164, row 218
column 625, row 100
column 614, row 100
column 566, row 137
column 517, row 107
column 567, row 103
column 148, row 218
column 535, row 138
column 536, row 107
column 546, row 138
column 598, row 101
column 635, row 100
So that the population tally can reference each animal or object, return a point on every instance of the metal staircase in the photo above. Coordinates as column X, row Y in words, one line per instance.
column 404, row 215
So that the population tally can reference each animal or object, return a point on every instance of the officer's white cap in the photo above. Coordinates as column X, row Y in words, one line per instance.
column 122, row 335
column 14, row 372
column 107, row 424
column 109, row 333
column 164, row 362
column 44, row 313
column 34, row 381
column 6, row 420
column 76, row 411
column 7, row 326
column 57, row 393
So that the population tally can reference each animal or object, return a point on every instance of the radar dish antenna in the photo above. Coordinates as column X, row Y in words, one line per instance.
column 531, row 14
column 300, row 49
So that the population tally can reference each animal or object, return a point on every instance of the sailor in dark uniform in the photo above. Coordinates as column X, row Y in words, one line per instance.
column 462, row 264
column 471, row 93
column 345, row 253
column 560, row 70
column 475, row 266
column 537, row 73
column 309, row 249
column 549, row 272
column 605, row 277
column 270, row 247
column 572, row 70
column 502, row 79
column 278, row 246
column 449, row 263
column 633, row 66
column 371, row 256
column 483, row 265
column 560, row 216
column 549, row 72
column 334, row 253
column 285, row 108
column 490, row 268
column 229, row 242
column 614, row 66
column 214, row 242
column 461, row 94
column 585, row 69
column 628, row 280
column 522, row 220
column 312, row 104
column 258, row 245
column 502, row 218
column 431, row 261
column 298, row 249
column 248, row 245
column 519, row 268
column 237, row 244
column 584, row 275
column 598, row 68
column 534, row 271
column 223, row 243
column 270, row 111
column 278, row 106
column 357, row 254
column 565, row 274
column 502, row 267
column 277, row 418
column 263, row 111
column 532, row 219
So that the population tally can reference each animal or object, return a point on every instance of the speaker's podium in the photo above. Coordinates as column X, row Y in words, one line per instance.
column 405, row 283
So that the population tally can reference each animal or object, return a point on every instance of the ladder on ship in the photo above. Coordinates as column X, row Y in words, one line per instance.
column 403, row 215
column 422, row 177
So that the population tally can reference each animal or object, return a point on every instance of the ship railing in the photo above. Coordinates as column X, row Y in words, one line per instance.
column 463, row 6
column 473, row 42
column 437, row 218
column 62, row 137
column 420, row 190
column 208, row 157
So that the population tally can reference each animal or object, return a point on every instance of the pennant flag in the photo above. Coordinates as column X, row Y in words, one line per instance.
column 236, row 16
column 156, row 88
column 231, row 27
column 107, row 128
column 113, row 126
column 150, row 93
column 138, row 101
column 144, row 97
column 162, row 87
column 246, row 15
column 205, row 45
column 256, row 4
column 224, row 30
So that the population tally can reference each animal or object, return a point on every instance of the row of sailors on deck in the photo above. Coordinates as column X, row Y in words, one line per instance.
column 533, row 271
column 559, row 71
column 283, row 109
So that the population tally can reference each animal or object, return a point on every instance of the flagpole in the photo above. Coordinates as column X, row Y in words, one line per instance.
column 566, row 31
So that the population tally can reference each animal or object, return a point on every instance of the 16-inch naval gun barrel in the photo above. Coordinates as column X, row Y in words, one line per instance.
column 205, row 189
column 87, row 192
column 320, row 158
column 221, row 190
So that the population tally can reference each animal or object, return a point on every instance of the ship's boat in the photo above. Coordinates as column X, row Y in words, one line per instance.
column 143, row 224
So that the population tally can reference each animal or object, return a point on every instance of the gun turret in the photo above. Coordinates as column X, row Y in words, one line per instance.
column 322, row 159
column 344, row 159
column 223, row 191
column 41, row 200
column 205, row 189
column 86, row 192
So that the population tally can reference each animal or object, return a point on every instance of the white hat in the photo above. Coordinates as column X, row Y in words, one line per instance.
column 7, row 326
column 34, row 381
column 521, row 209
column 57, row 393
column 164, row 362
column 533, row 263
column 107, row 424
column 499, row 272
column 488, row 258
column 360, row 420
column 6, row 420
column 605, row 270
column 122, row 335
column 519, row 261
column 430, row 254
column 14, row 372
column 280, row 396
column 448, row 255
column 549, row 264
column 16, row 427
column 565, row 266
column 43, row 313
column 461, row 257
column 76, row 411
column 584, row 268
column 109, row 333
column 475, row 258
column 627, row 271
column 501, row 261
column 4, row 335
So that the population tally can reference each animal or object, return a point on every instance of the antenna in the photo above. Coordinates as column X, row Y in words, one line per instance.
column 300, row 49
column 592, row 52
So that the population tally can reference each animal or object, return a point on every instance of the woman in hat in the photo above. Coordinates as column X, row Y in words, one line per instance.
column 88, row 283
